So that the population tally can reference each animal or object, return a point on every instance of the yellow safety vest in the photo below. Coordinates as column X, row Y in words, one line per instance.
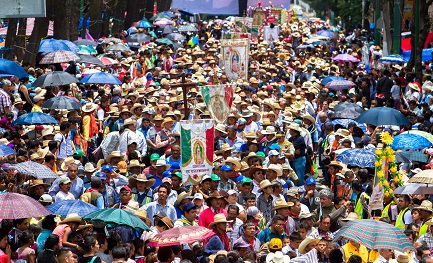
column 386, row 209
column 423, row 228
column 358, row 207
column 399, row 223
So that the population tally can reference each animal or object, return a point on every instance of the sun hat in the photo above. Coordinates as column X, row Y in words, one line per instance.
column 219, row 218
column 113, row 154
column 281, row 203
column 182, row 196
column 221, row 128
column 427, row 206
column 133, row 163
column 214, row 195
column 308, row 240
column 269, row 130
column 68, row 161
column 162, row 163
column 351, row 216
column 263, row 184
column 276, row 168
column 143, row 178
column 37, row 182
column 234, row 161
column 74, row 217
column 88, row 167
column 225, row 147
column 142, row 214
column 402, row 258
column 305, row 215
column 277, row 257
column 89, row 107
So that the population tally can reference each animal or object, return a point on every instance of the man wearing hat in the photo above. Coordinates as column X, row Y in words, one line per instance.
column 226, row 183
column 37, row 188
column 142, row 192
column 220, row 133
column 232, row 139
column 219, row 239
column 265, row 201
column 76, row 184
column 310, row 197
column 127, row 136
column 65, row 142
column 248, row 236
column 425, row 212
column 65, row 186
column 282, row 208
column 189, row 215
column 214, row 207
column 161, row 225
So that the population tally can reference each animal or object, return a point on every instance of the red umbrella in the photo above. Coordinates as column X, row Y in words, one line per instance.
column 15, row 206
column 180, row 235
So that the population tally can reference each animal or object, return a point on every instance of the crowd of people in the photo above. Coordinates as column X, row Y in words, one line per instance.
column 276, row 192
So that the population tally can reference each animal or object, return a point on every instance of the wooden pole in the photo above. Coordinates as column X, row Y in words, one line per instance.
column 184, row 85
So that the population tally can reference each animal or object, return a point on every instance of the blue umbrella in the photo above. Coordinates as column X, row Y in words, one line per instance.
column 328, row 79
column 382, row 116
column 325, row 33
column 357, row 157
column 305, row 46
column 6, row 150
column 34, row 118
column 143, row 23
column 66, row 207
column 101, row 78
column 410, row 141
column 34, row 169
column 345, row 123
column 50, row 45
column 71, row 45
column 9, row 67
column 392, row 59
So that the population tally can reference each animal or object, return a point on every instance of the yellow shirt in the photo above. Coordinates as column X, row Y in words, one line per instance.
column 36, row 108
column 350, row 250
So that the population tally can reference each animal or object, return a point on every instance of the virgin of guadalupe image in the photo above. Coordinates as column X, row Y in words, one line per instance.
column 218, row 108
column 234, row 61
column 198, row 153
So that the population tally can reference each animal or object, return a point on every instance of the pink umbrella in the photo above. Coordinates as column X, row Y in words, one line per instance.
column 163, row 22
column 108, row 61
column 16, row 206
column 345, row 58
column 180, row 235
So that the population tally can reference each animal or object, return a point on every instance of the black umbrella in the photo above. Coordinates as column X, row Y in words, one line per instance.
column 348, row 106
column 138, row 38
column 170, row 29
column 56, row 78
column 90, row 59
column 62, row 102
column 346, row 114
column 85, row 42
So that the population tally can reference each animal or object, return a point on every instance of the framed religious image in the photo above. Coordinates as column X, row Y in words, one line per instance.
column 259, row 17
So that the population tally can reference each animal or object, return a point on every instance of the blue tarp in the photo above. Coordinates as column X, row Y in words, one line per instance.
column 426, row 54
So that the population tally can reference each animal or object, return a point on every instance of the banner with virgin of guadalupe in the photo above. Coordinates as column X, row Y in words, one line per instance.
column 218, row 100
column 234, row 58
column 196, row 141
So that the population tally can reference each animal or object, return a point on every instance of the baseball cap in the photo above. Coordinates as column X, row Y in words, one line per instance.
column 275, row 243
column 310, row 181
column 166, row 174
column 274, row 146
column 232, row 192
column 79, row 153
column 239, row 243
column 107, row 167
column 215, row 177
column 237, row 178
column 65, row 180
column 101, row 175
column 127, row 188
column 154, row 157
column 45, row 198
column 198, row 196
column 246, row 180
column 122, row 166
column 206, row 177
column 178, row 174
column 226, row 168
column 188, row 206
column 273, row 153
column 166, row 180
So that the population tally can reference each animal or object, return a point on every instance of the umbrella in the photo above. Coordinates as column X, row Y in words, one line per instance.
column 9, row 67
column 400, row 158
column 169, row 30
column 160, row 15
column 85, row 42
column 345, row 58
column 358, row 157
column 90, row 59
column 117, row 48
column 180, row 235
column 305, row 46
column 424, row 134
column 115, row 40
column 410, row 141
column 72, row 46
column 164, row 41
column 347, row 114
column 168, row 13
column 415, row 156
column 59, row 56
column 382, row 116
column 34, row 169
column 328, row 79
column 50, row 45
column 108, row 61
column 116, row 216
column 375, row 235
column 6, row 150
column 139, row 38
column 176, row 37
column 345, row 123
column 101, row 78
column 392, row 59
column 163, row 22
column 422, row 189
column 55, row 78
column 340, row 84
column 34, row 118
column 66, row 207
column 143, row 23
column 326, row 33
column 187, row 28
column 61, row 102
column 87, row 50
column 16, row 206
column 343, row 106
column 423, row 177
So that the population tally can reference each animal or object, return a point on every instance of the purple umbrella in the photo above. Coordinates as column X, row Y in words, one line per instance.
column 345, row 58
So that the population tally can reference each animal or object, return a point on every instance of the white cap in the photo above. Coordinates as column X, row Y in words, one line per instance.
column 231, row 192
column 45, row 198
column 198, row 196
column 273, row 152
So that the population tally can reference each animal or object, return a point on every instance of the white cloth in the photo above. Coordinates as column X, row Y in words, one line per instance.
column 126, row 137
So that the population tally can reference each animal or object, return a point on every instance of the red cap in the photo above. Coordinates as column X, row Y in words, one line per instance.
column 127, row 188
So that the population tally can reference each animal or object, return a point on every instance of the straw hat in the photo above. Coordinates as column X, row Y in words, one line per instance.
column 310, row 118
column 221, row 128
column 402, row 258
column 234, row 161
column 142, row 178
column 89, row 107
column 277, row 257
column 263, row 184
column 255, row 169
column 214, row 195
column 427, row 206
column 128, row 121
column 162, row 163
column 350, row 217
column 225, row 147
column 219, row 218
column 167, row 120
column 72, row 218
column 276, row 168
column 113, row 154
column 89, row 168
column 281, row 203
column 182, row 196
column 295, row 127
column 269, row 130
column 37, row 182
column 308, row 240
column 252, row 155
column 142, row 214
column 67, row 162
column 335, row 163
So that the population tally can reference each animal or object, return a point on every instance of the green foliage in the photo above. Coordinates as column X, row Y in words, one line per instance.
column 350, row 11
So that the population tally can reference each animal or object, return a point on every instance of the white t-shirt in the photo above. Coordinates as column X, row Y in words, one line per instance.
column 65, row 148
column 63, row 196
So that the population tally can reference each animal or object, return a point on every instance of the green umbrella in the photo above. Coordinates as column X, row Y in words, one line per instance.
column 117, row 217
column 160, row 15
column 87, row 50
column 164, row 41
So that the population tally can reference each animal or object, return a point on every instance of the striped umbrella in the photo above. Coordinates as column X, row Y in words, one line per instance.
column 357, row 157
column 66, row 207
column 392, row 59
column 59, row 56
column 375, row 235
column 410, row 141
column 340, row 84
column 16, row 206
column 34, row 169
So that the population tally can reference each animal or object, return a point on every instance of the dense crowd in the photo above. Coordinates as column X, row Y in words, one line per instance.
column 276, row 193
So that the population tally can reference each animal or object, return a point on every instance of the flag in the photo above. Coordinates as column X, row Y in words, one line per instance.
column 196, row 141
column 218, row 100
column 234, row 58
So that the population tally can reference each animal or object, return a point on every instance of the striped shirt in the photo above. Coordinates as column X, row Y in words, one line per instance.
column 5, row 100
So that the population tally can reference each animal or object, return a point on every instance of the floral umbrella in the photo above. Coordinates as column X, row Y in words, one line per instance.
column 180, row 235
